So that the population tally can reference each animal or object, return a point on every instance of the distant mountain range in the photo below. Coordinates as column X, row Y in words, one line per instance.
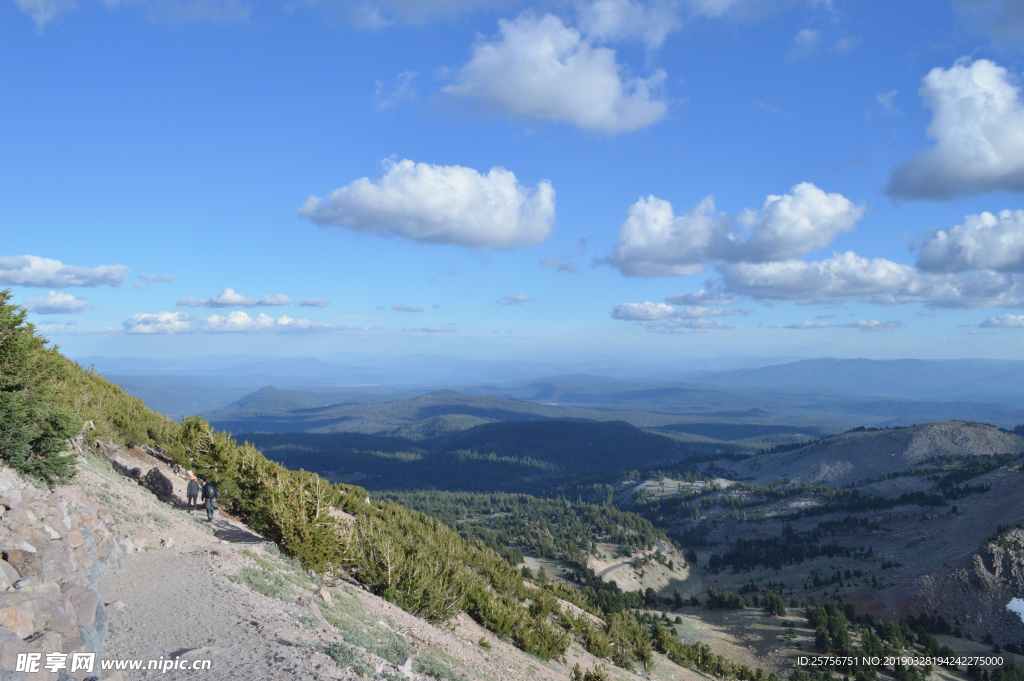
column 834, row 394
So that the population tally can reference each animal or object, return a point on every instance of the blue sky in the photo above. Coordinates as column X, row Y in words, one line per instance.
column 503, row 179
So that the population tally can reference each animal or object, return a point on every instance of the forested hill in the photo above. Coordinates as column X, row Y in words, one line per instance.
column 507, row 456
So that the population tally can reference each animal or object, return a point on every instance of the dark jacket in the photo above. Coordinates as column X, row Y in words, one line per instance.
column 209, row 491
column 193, row 488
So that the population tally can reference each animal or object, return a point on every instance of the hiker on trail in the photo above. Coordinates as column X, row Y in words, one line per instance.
column 209, row 494
column 192, row 492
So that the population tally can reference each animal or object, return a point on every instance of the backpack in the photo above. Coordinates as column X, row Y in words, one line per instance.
column 209, row 491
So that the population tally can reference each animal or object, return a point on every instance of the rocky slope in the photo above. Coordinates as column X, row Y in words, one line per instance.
column 191, row 591
column 862, row 455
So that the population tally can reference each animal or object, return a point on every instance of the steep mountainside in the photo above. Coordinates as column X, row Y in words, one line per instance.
column 865, row 454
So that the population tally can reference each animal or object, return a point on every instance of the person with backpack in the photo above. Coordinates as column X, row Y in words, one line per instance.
column 192, row 492
column 209, row 494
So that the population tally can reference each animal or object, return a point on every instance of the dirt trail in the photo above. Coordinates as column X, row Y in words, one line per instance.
column 183, row 595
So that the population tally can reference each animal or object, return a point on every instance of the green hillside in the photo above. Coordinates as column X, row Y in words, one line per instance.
column 510, row 456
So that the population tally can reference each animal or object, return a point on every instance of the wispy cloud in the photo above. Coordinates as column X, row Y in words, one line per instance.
column 517, row 299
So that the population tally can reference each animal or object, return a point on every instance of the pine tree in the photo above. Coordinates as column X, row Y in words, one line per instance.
column 33, row 430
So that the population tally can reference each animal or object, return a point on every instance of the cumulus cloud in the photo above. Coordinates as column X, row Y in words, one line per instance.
column 983, row 241
column 406, row 308
column 978, row 128
column 314, row 302
column 538, row 68
column 645, row 312
column 517, row 299
column 842, row 277
column 1006, row 321
column 702, row 297
column 240, row 322
column 440, row 205
column 45, row 11
column 654, row 242
column 229, row 298
column 56, row 303
column 662, row 317
column 31, row 270
column 159, row 323
column 654, row 311
column 233, row 322
column 846, row 276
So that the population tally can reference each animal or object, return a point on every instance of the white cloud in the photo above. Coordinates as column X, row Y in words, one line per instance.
column 402, row 91
column 430, row 329
column 842, row 277
column 1006, row 321
column 541, row 69
column 31, row 270
column 658, row 312
column 615, row 20
column 240, row 322
column 637, row 312
column 978, row 128
column 925, row 313
column 690, row 326
column 440, row 205
column 45, row 11
column 406, row 308
column 846, row 276
column 275, row 300
column 517, row 299
column 229, row 298
column 654, row 242
column 314, row 302
column 233, row 322
column 159, row 323
column 984, row 241
column 702, row 297
column 885, row 101
column 56, row 303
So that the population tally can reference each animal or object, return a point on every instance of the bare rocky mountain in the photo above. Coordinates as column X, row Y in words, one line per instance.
column 867, row 454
